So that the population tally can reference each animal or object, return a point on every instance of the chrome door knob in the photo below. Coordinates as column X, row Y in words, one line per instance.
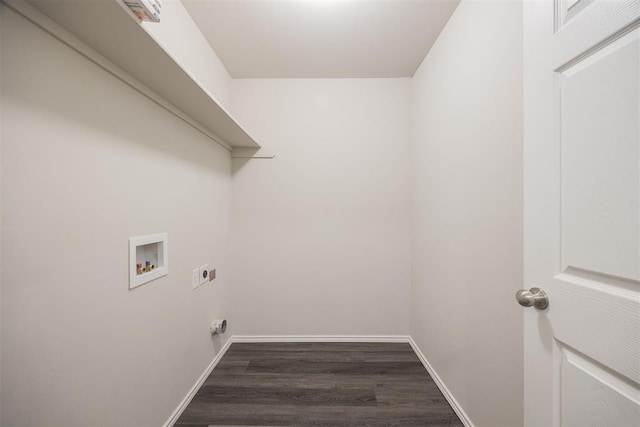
column 534, row 297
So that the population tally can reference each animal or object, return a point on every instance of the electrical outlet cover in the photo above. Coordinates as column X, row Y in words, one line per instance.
column 204, row 273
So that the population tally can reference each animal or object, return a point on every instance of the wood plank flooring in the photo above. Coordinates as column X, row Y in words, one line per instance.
column 319, row 384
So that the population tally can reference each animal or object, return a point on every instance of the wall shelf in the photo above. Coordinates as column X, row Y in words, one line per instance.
column 108, row 29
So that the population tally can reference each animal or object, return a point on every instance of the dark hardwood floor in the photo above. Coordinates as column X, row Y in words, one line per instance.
column 319, row 384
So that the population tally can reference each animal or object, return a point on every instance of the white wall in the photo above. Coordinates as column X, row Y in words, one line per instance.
column 466, row 151
column 321, row 235
column 86, row 163
column 321, row 232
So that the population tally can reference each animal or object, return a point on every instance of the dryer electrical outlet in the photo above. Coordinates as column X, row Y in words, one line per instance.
column 204, row 273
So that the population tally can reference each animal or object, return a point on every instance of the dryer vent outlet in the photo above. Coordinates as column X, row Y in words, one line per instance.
column 218, row 326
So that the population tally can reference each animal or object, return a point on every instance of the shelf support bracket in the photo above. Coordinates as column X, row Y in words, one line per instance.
column 252, row 153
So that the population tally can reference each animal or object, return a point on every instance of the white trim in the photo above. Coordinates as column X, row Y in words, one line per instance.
column 192, row 392
column 443, row 388
column 322, row 338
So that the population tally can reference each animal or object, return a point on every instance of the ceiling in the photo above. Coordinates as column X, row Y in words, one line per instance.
column 321, row 38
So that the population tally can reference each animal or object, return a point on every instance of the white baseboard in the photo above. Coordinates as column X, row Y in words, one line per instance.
column 443, row 388
column 321, row 338
column 192, row 392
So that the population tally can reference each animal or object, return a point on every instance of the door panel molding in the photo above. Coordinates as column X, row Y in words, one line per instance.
column 592, row 392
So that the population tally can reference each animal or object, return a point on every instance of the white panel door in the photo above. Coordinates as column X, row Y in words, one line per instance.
column 582, row 212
